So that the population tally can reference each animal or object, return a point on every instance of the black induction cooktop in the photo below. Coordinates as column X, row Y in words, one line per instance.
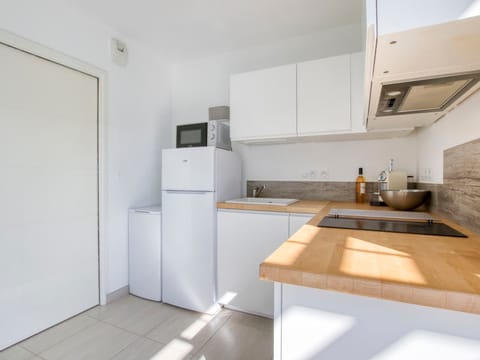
column 407, row 227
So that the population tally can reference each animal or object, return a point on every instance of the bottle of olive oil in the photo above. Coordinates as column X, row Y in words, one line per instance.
column 361, row 187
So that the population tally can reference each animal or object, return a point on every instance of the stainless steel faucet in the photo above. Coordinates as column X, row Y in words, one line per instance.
column 258, row 190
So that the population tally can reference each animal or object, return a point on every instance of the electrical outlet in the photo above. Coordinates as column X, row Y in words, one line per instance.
column 426, row 174
column 310, row 174
column 324, row 174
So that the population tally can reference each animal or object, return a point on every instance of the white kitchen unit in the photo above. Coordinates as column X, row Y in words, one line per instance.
column 318, row 324
column 49, row 225
column 358, row 94
column 144, row 252
column 296, row 221
column 245, row 239
column 263, row 104
column 406, row 91
column 328, row 102
column 395, row 16
column 193, row 181
column 323, row 95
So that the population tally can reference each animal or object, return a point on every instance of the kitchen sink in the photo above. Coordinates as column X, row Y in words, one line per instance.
column 263, row 201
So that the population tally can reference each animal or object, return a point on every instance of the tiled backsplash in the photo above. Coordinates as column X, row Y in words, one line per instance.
column 459, row 196
column 309, row 190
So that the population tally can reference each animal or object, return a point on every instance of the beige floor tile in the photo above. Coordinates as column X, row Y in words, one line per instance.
column 141, row 349
column 176, row 349
column 188, row 329
column 139, row 316
column 58, row 333
column 16, row 353
column 242, row 337
column 100, row 341
column 119, row 308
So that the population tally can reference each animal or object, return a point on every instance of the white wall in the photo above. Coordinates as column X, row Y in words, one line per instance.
column 459, row 126
column 138, row 105
column 329, row 161
column 199, row 84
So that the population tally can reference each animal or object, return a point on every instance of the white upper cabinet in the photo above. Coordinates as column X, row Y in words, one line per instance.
column 263, row 104
column 408, row 41
column 358, row 93
column 323, row 95
column 322, row 98
column 395, row 16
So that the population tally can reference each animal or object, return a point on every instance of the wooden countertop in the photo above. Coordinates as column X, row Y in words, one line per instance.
column 302, row 206
column 427, row 270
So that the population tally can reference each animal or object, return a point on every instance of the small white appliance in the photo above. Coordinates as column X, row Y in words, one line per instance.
column 219, row 134
column 193, row 181
column 144, row 252
column 214, row 133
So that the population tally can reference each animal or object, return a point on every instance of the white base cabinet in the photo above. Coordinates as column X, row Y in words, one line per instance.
column 318, row 324
column 245, row 239
column 296, row 221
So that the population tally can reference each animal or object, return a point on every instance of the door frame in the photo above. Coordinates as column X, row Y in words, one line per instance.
column 41, row 51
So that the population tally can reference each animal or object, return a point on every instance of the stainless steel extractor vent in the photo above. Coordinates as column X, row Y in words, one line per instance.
column 423, row 96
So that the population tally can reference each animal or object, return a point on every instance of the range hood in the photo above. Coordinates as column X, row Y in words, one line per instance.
column 423, row 96
column 419, row 75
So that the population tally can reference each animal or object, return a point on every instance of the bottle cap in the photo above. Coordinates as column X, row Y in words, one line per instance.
column 360, row 171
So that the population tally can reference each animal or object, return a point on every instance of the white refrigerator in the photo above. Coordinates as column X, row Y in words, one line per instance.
column 193, row 181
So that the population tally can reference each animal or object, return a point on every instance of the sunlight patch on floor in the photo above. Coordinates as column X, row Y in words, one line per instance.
column 191, row 331
column 175, row 350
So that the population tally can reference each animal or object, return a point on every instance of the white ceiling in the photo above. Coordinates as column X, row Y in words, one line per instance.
column 181, row 29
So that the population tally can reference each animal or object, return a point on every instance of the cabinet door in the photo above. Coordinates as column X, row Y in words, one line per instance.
column 395, row 16
column 324, row 95
column 245, row 239
column 358, row 100
column 296, row 221
column 263, row 103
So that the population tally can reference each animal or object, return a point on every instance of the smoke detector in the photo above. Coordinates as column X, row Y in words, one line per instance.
column 119, row 52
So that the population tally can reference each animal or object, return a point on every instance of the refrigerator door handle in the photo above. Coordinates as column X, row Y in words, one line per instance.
column 187, row 192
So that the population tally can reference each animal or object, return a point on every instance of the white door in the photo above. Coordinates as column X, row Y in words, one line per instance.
column 263, row 103
column 48, row 194
column 324, row 95
column 188, row 249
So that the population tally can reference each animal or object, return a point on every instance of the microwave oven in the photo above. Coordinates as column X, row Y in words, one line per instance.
column 213, row 133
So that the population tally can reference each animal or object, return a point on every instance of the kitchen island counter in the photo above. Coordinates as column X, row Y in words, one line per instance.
column 435, row 271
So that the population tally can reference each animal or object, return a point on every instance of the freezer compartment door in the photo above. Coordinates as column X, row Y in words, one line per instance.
column 191, row 169
column 189, row 239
